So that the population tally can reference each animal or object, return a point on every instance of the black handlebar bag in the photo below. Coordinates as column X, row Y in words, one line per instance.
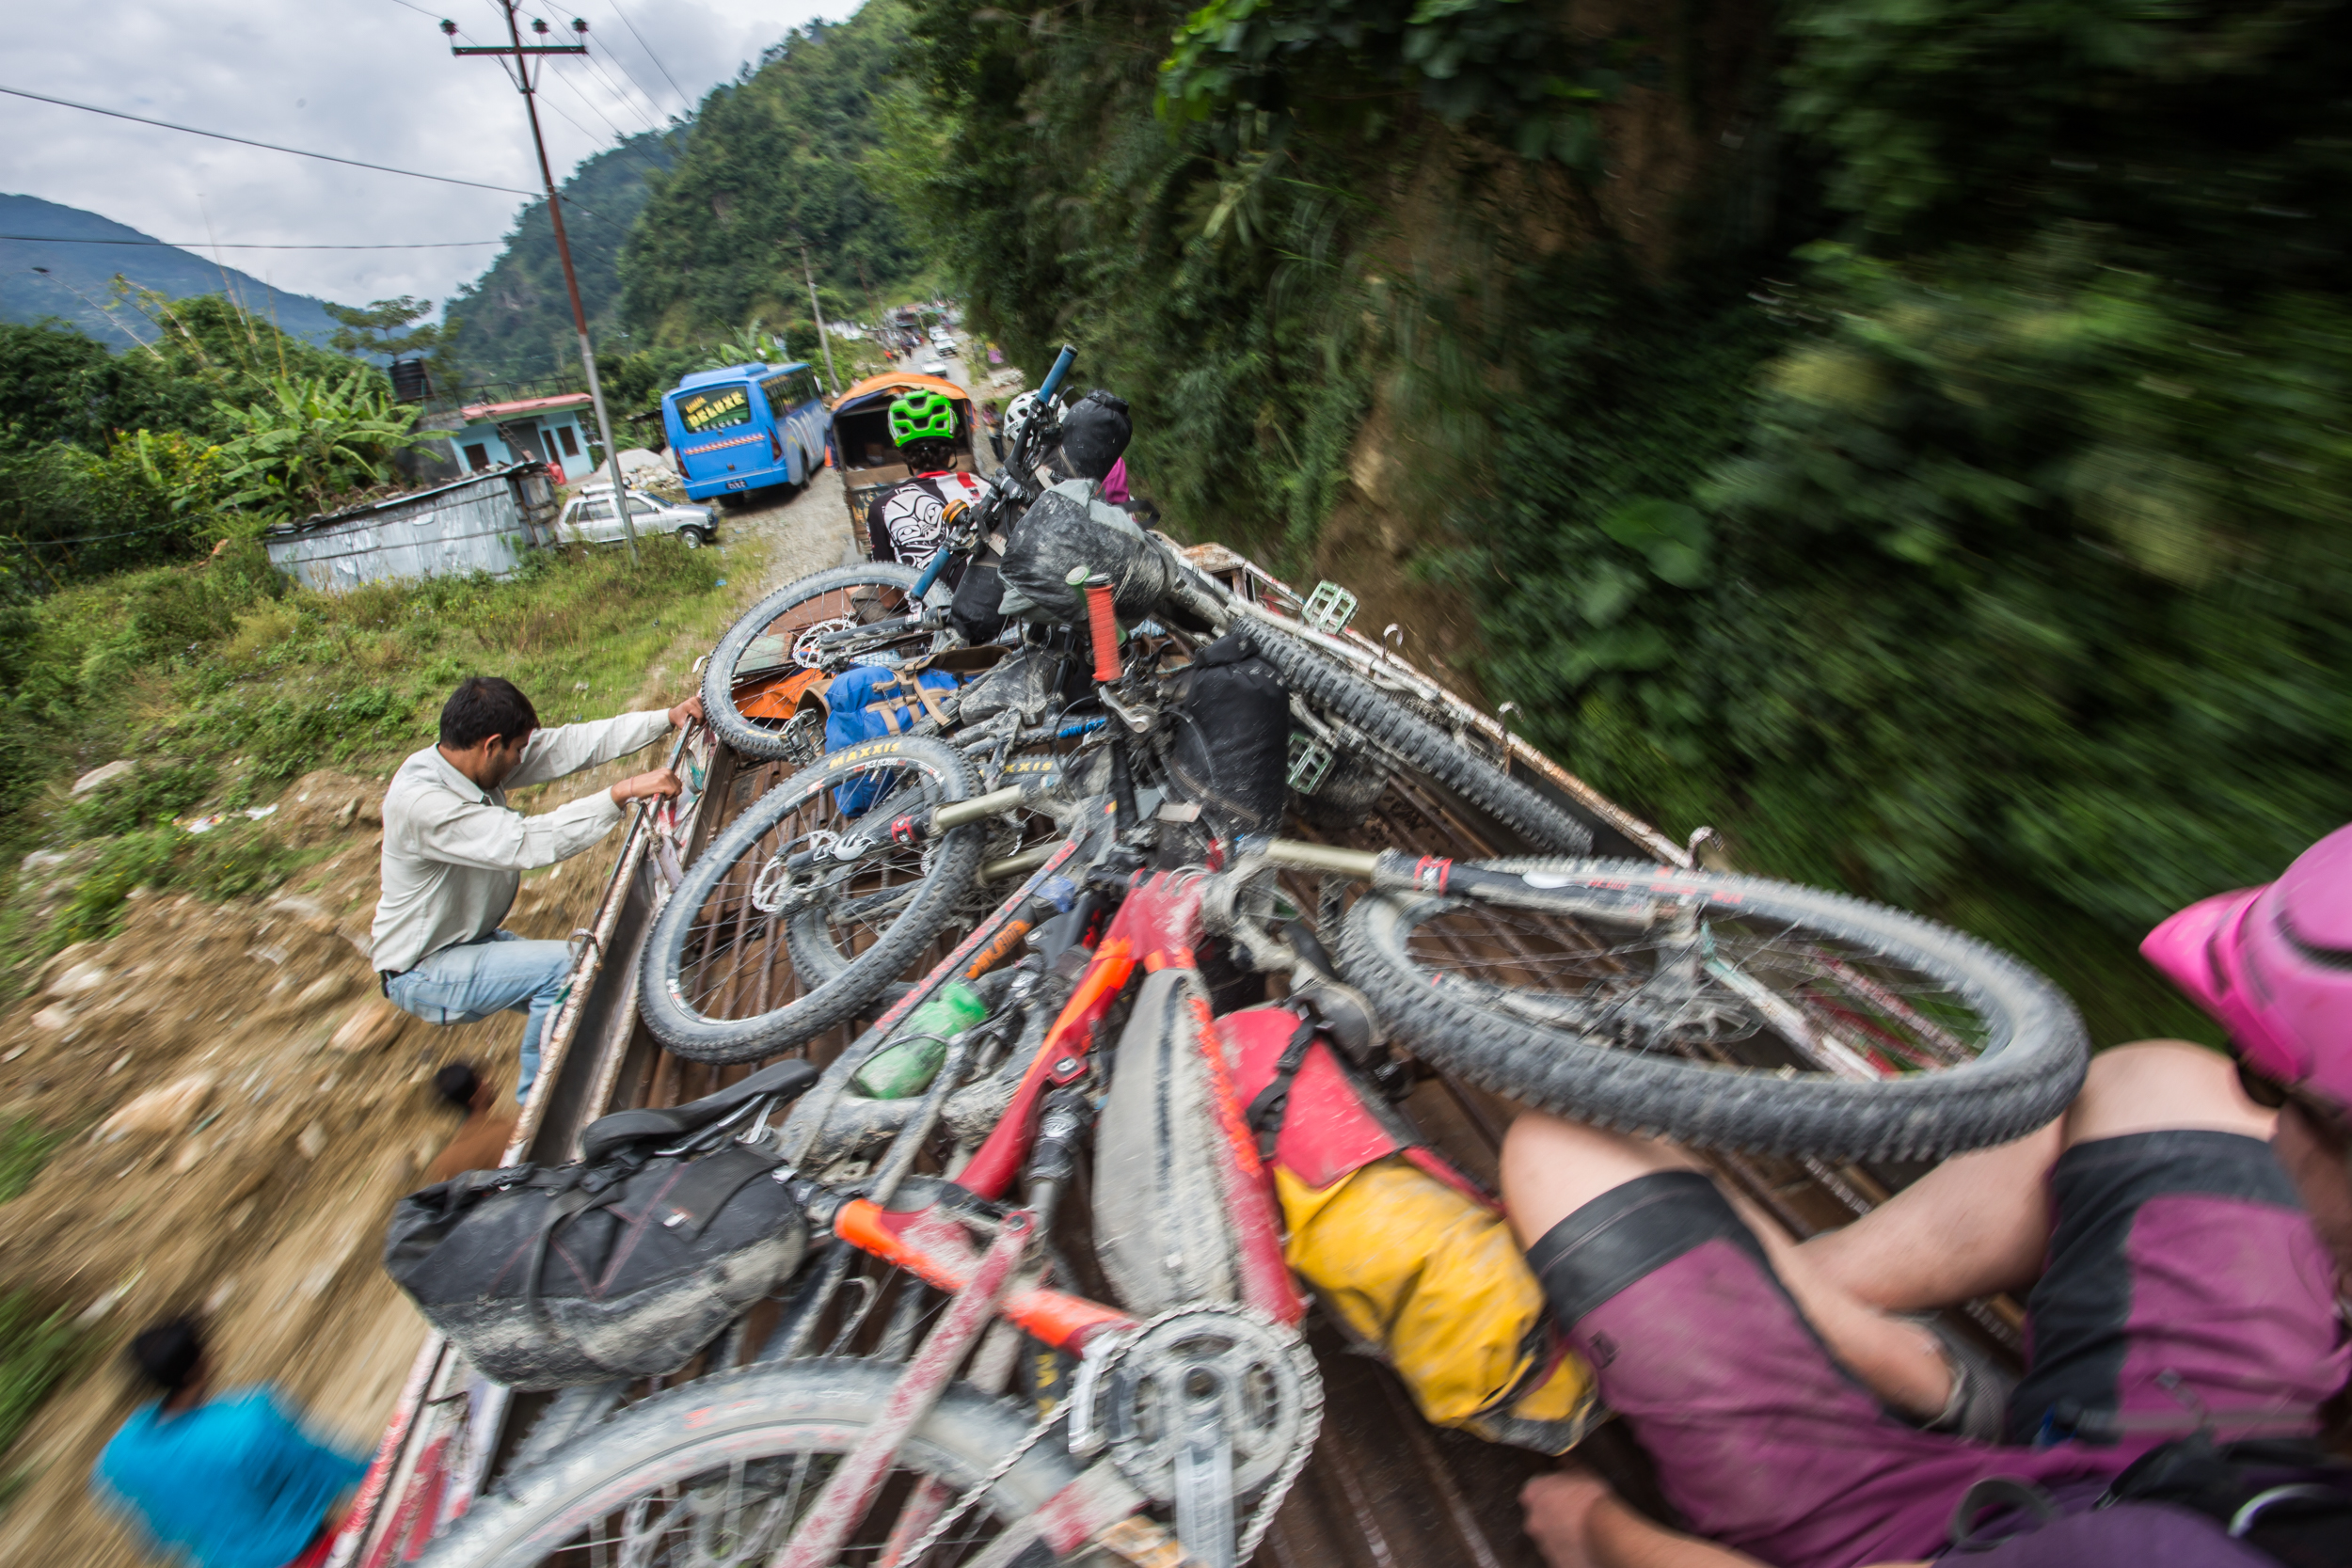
column 622, row 1266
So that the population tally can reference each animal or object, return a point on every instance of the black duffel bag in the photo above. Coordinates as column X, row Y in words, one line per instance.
column 623, row 1264
column 1231, row 752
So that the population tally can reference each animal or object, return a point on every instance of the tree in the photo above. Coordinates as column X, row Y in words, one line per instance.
column 308, row 443
column 384, row 327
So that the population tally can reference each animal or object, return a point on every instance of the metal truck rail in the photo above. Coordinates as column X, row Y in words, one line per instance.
column 1384, row 1488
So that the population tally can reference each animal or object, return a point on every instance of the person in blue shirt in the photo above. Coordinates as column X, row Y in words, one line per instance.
column 228, row 1483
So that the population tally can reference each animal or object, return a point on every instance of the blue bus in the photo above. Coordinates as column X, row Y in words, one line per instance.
column 746, row 426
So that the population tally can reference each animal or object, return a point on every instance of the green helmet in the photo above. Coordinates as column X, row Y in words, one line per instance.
column 922, row 414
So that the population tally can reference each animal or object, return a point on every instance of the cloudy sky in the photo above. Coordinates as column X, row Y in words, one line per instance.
column 366, row 79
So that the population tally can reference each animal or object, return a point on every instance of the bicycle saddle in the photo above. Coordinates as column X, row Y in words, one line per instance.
column 785, row 1080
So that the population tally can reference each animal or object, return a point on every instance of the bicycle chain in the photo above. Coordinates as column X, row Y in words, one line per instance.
column 1003, row 1467
column 1310, row 1427
column 1310, row 1423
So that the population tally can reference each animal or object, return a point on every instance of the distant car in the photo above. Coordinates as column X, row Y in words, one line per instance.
column 947, row 348
column 588, row 519
column 934, row 367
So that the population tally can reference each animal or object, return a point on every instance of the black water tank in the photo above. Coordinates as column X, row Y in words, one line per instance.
column 410, row 384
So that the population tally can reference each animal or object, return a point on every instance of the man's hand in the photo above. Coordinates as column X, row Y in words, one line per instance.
column 1577, row 1522
column 659, row 785
column 687, row 711
column 1559, row 1513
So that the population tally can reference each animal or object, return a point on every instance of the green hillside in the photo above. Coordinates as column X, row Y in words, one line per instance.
column 74, row 282
column 773, row 164
column 514, row 322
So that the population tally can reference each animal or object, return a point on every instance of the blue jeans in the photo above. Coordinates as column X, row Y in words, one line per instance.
column 501, row 973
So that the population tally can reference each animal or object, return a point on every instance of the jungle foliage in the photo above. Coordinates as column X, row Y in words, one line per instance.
column 110, row 460
column 1939, row 488
column 513, row 323
column 771, row 166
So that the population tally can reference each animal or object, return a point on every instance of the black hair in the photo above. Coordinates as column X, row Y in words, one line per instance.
column 1095, row 433
column 485, row 705
column 168, row 1352
column 457, row 1084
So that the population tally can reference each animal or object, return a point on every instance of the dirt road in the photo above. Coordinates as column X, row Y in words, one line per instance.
column 246, row 1110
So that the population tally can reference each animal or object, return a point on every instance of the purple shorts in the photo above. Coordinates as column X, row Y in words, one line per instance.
column 2184, row 1284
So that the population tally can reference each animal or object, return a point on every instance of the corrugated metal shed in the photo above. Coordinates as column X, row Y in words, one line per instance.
column 482, row 523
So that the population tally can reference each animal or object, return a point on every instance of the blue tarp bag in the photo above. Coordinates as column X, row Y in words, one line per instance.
column 868, row 701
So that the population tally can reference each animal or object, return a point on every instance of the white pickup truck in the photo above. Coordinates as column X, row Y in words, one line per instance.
column 588, row 519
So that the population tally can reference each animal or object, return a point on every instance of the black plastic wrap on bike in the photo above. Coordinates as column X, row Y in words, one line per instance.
column 719, row 710
column 1322, row 681
column 2031, row 1067
column 832, row 998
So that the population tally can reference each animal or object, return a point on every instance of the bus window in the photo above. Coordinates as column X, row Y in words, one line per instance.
column 790, row 390
column 715, row 408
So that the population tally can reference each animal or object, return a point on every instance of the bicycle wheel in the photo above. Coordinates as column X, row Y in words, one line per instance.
column 773, row 641
column 1421, row 746
column 751, row 956
column 1721, row 1010
column 719, row 1471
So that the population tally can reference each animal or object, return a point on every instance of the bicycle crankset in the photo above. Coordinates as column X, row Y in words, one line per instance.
column 1206, row 1407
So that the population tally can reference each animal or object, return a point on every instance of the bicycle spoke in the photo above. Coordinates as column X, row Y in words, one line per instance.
column 1691, row 975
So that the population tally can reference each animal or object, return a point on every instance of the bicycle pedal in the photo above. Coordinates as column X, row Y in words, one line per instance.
column 1328, row 609
column 1309, row 762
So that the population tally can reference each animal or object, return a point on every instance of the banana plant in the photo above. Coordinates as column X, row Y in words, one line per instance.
column 308, row 441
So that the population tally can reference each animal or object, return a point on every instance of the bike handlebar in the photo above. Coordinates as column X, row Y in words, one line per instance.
column 937, row 564
column 1052, row 384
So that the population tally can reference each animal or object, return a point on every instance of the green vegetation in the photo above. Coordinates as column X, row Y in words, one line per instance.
column 25, row 1148
column 300, row 445
column 513, row 323
column 1908, row 436
column 113, row 461
column 37, row 1350
column 227, row 684
column 773, row 165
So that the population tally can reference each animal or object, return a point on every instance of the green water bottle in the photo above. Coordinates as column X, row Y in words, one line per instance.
column 906, row 1065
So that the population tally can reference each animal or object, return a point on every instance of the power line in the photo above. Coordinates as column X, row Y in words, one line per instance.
column 221, row 244
column 596, row 64
column 621, row 145
column 683, row 99
column 267, row 146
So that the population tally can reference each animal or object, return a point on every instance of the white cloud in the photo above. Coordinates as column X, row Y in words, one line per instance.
column 366, row 79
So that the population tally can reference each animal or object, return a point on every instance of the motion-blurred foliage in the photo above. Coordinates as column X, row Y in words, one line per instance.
column 1937, row 479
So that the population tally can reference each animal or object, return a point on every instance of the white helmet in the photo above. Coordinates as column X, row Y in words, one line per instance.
column 1024, row 408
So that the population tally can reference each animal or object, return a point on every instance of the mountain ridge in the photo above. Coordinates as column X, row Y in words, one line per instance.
column 80, row 251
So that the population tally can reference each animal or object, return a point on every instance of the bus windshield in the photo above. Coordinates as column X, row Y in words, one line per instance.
column 715, row 408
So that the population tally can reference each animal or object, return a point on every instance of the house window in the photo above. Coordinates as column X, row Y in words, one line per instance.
column 564, row 433
column 477, row 456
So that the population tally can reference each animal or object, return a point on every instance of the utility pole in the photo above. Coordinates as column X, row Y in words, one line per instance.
column 823, row 342
column 523, row 52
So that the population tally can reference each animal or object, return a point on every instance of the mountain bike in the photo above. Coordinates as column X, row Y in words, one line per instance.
column 1197, row 1400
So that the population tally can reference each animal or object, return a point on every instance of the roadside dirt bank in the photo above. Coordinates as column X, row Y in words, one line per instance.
column 244, row 1111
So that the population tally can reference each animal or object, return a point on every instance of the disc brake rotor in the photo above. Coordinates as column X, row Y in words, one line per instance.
column 805, row 653
column 773, row 889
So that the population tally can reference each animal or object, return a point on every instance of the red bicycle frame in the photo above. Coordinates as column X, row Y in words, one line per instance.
column 1158, row 926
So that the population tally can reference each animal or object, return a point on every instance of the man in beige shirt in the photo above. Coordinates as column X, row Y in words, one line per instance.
column 454, row 854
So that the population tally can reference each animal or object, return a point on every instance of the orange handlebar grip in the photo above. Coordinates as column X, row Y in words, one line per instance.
column 1105, row 626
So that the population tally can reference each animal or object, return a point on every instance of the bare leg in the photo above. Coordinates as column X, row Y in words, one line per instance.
column 1551, row 1168
column 1978, row 1223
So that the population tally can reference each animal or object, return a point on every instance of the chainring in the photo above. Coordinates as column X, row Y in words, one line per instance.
column 1272, row 1394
